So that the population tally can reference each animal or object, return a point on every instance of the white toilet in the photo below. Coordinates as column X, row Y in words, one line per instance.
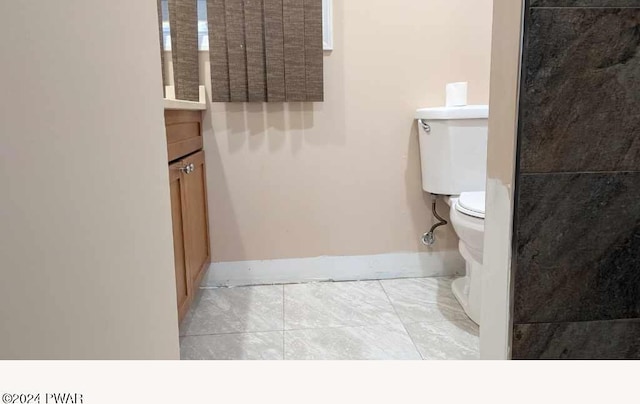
column 453, row 153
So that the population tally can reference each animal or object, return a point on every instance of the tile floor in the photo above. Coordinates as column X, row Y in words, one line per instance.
column 389, row 319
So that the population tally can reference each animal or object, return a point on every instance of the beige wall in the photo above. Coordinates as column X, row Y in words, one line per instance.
column 343, row 177
column 495, row 333
column 86, row 260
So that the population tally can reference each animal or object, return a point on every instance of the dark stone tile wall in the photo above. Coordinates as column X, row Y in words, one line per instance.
column 615, row 339
column 582, row 90
column 577, row 213
column 583, row 3
column 578, row 252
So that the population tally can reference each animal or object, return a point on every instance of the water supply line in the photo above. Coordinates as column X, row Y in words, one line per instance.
column 429, row 238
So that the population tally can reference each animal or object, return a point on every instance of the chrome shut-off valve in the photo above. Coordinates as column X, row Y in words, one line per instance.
column 429, row 238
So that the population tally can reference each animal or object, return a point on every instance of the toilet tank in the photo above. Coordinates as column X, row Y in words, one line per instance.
column 453, row 148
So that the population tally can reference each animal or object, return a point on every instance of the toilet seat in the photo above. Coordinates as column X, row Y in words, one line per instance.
column 471, row 204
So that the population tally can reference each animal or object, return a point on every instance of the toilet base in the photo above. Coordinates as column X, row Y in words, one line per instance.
column 460, row 290
column 467, row 289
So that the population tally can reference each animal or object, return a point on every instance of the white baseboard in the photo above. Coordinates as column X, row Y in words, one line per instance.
column 349, row 268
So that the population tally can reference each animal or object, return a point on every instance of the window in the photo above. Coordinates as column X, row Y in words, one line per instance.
column 203, row 29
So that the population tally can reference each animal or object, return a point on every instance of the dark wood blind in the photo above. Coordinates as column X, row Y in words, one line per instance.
column 274, row 44
column 218, row 50
column 234, row 12
column 183, row 19
column 266, row 50
column 313, row 48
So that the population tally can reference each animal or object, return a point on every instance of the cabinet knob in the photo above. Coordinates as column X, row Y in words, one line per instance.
column 188, row 169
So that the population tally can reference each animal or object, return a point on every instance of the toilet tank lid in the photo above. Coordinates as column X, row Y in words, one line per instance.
column 448, row 113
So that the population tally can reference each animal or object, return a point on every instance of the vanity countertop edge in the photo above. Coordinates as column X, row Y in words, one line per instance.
column 170, row 103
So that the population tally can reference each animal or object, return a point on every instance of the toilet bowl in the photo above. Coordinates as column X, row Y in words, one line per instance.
column 467, row 218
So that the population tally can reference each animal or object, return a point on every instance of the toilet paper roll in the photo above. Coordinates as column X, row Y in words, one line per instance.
column 457, row 94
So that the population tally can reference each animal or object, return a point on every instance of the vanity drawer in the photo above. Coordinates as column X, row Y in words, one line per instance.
column 184, row 132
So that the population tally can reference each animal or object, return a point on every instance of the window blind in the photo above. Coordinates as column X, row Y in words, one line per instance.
column 183, row 20
column 264, row 50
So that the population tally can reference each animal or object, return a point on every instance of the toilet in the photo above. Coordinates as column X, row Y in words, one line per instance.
column 453, row 155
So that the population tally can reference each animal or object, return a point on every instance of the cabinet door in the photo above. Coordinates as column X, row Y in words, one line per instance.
column 197, row 229
column 178, row 208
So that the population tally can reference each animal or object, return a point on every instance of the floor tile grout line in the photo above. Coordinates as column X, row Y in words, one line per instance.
column 334, row 327
column 401, row 322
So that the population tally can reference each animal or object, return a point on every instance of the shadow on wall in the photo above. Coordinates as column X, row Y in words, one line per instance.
column 273, row 125
column 262, row 138
column 216, row 175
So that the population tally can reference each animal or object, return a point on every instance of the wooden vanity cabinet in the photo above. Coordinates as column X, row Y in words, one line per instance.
column 188, row 185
